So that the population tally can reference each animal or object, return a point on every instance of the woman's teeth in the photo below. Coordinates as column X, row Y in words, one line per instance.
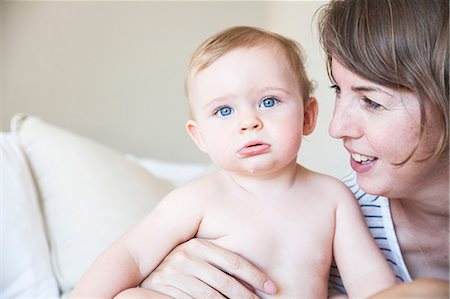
column 361, row 158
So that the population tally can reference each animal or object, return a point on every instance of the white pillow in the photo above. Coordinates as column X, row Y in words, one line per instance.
column 90, row 193
column 175, row 172
column 25, row 260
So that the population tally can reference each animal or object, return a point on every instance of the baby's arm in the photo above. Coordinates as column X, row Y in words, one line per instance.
column 141, row 293
column 136, row 254
column 363, row 268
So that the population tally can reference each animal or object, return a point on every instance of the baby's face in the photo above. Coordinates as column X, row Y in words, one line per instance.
column 248, row 111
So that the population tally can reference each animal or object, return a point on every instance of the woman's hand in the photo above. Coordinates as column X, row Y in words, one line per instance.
column 200, row 269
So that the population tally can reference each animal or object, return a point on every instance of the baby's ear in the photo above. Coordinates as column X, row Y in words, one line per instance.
column 310, row 116
column 194, row 132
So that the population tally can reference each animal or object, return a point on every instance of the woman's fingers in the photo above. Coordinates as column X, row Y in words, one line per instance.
column 225, row 284
column 203, row 270
column 173, row 292
column 181, row 286
column 235, row 265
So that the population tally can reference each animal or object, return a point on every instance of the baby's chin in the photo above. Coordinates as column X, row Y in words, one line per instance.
column 257, row 165
column 254, row 165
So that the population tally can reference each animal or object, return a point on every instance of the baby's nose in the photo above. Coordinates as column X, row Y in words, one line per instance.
column 251, row 123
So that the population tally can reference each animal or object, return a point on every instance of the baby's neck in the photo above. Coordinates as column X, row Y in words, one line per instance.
column 268, row 183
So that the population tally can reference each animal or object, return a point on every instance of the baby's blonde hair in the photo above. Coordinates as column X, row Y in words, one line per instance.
column 246, row 37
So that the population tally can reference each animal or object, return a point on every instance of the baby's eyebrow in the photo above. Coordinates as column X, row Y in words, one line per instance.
column 273, row 88
column 214, row 101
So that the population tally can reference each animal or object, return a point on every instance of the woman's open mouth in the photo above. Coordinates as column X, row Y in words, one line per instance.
column 361, row 158
column 361, row 163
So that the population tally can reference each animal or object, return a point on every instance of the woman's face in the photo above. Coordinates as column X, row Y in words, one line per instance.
column 380, row 127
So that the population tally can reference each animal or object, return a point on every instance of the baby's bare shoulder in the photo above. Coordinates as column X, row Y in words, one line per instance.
column 196, row 191
column 326, row 186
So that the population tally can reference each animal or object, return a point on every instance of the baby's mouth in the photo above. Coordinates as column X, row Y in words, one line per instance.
column 254, row 148
column 362, row 158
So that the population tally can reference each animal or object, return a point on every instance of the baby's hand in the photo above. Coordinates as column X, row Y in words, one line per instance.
column 141, row 293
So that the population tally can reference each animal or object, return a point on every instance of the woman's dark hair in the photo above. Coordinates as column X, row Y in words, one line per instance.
column 395, row 43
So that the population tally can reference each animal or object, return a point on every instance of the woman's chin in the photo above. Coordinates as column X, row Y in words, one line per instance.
column 371, row 185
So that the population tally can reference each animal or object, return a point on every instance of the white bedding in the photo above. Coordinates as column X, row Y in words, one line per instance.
column 64, row 199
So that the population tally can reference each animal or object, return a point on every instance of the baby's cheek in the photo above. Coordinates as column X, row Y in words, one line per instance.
column 294, row 134
column 221, row 153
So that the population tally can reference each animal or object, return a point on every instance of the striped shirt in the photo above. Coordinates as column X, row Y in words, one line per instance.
column 377, row 214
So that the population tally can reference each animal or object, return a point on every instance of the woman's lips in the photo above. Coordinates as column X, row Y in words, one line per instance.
column 253, row 149
column 362, row 158
column 361, row 163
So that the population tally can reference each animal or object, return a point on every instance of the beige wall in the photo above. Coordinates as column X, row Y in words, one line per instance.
column 2, row 101
column 113, row 71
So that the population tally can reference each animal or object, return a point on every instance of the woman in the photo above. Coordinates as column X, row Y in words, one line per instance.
column 388, row 62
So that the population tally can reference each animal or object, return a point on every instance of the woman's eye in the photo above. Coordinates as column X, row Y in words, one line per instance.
column 224, row 111
column 369, row 104
column 268, row 102
column 337, row 89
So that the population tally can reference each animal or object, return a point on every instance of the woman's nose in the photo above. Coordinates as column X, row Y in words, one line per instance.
column 344, row 124
column 250, row 123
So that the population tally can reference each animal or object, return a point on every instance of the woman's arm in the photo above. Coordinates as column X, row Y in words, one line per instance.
column 419, row 288
column 203, row 270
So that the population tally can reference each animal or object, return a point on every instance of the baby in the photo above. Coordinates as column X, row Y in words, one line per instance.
column 251, row 103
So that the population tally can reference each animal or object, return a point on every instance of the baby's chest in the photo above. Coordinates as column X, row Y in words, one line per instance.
column 288, row 241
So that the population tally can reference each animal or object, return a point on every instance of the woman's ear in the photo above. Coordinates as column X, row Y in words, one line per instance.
column 194, row 132
column 310, row 116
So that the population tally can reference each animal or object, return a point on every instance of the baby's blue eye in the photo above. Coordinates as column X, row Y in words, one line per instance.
column 269, row 102
column 224, row 111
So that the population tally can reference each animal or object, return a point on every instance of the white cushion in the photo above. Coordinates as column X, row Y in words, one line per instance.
column 25, row 261
column 175, row 172
column 90, row 193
